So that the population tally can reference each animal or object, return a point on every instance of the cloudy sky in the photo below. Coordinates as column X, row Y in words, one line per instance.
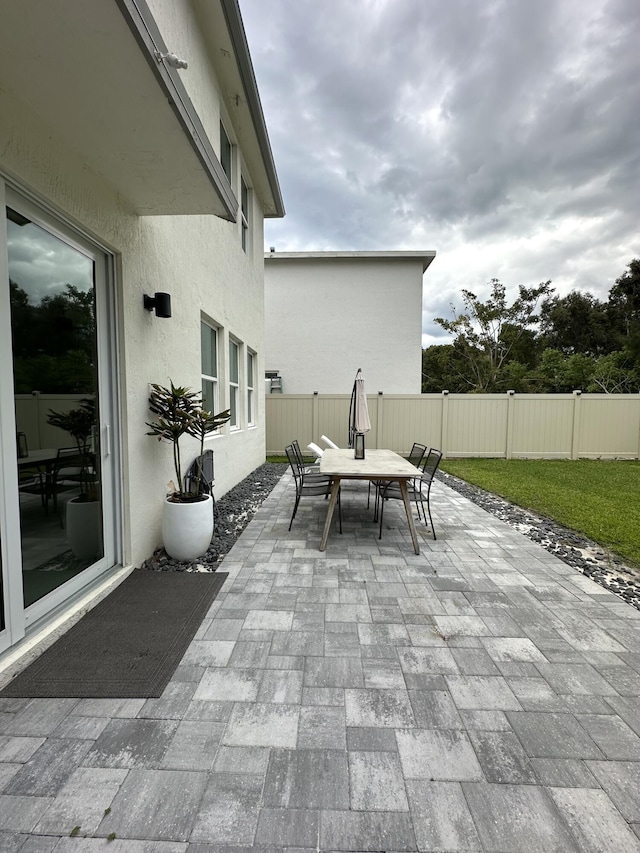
column 503, row 134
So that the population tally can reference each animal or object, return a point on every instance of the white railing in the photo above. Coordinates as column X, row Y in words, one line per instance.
column 544, row 426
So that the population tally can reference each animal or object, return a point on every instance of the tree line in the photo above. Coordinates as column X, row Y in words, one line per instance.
column 540, row 343
column 53, row 341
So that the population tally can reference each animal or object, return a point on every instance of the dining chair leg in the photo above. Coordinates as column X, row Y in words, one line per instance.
column 376, row 506
column 433, row 530
column 381, row 514
column 295, row 509
column 420, row 504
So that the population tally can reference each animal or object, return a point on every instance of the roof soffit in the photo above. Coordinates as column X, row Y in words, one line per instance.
column 87, row 69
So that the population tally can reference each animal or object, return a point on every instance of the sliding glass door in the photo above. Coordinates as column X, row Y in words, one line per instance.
column 58, row 482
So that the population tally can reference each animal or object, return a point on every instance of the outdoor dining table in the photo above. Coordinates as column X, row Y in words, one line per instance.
column 39, row 458
column 377, row 465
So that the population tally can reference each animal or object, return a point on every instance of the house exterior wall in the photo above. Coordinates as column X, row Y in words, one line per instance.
column 325, row 317
column 198, row 259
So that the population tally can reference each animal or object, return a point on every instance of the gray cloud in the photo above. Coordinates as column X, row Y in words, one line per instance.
column 42, row 265
column 502, row 134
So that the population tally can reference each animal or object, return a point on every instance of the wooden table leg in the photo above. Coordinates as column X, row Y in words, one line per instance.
column 407, row 507
column 335, row 488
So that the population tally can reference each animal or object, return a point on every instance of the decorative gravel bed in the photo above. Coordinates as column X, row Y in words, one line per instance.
column 236, row 509
column 233, row 512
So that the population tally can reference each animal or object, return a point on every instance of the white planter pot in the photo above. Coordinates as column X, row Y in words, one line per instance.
column 84, row 528
column 187, row 528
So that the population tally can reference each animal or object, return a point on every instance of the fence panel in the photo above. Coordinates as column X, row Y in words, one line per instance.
column 608, row 427
column 543, row 425
column 31, row 418
column 477, row 425
column 404, row 418
column 333, row 419
column 288, row 416
column 561, row 426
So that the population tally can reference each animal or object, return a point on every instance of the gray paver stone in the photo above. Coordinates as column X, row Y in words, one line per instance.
column 307, row 778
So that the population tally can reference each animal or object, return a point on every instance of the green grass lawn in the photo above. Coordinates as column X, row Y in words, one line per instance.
column 600, row 499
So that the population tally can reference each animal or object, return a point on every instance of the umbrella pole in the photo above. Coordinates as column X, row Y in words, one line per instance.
column 352, row 416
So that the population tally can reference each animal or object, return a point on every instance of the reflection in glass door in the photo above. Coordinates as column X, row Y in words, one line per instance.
column 55, row 370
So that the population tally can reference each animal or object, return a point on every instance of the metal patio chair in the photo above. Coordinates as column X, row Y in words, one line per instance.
column 415, row 456
column 70, row 469
column 311, row 468
column 330, row 444
column 419, row 490
column 308, row 483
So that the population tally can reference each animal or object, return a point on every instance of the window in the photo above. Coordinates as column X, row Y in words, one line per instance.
column 209, row 359
column 225, row 152
column 233, row 384
column 250, row 395
column 245, row 213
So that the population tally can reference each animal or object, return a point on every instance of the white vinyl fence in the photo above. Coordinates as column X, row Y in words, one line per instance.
column 31, row 418
column 542, row 426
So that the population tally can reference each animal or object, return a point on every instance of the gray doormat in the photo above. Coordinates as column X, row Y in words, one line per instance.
column 129, row 645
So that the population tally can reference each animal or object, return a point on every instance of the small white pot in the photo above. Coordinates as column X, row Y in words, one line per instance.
column 187, row 528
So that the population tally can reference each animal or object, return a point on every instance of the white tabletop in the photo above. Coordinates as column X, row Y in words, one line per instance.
column 376, row 465
column 39, row 457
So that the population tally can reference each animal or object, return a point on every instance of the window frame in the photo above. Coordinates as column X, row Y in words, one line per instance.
column 250, row 387
column 234, row 385
column 213, row 379
column 226, row 147
column 245, row 215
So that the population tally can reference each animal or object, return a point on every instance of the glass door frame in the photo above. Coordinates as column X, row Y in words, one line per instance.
column 18, row 619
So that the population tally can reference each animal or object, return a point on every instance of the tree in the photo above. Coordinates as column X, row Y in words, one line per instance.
column 516, row 376
column 624, row 310
column 53, row 341
column 615, row 374
column 559, row 374
column 488, row 333
column 576, row 323
column 443, row 368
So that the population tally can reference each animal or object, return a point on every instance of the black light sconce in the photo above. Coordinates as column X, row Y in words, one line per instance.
column 359, row 445
column 161, row 302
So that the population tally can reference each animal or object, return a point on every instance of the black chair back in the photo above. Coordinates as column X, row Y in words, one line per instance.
column 417, row 454
column 430, row 465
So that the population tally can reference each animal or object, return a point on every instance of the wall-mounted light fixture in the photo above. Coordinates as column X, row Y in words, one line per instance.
column 161, row 302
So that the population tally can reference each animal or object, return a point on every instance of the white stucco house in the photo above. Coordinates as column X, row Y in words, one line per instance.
column 134, row 160
column 329, row 313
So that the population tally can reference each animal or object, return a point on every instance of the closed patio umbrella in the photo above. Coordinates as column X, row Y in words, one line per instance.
column 359, row 410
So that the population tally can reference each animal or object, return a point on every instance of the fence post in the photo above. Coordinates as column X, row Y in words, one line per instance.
column 444, row 425
column 509, row 428
column 576, row 424
column 380, row 420
column 36, row 394
column 315, row 418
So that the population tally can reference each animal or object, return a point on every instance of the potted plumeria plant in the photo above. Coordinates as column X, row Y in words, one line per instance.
column 83, row 521
column 187, row 520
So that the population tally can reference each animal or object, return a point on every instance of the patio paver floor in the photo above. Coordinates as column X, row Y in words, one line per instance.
column 481, row 697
